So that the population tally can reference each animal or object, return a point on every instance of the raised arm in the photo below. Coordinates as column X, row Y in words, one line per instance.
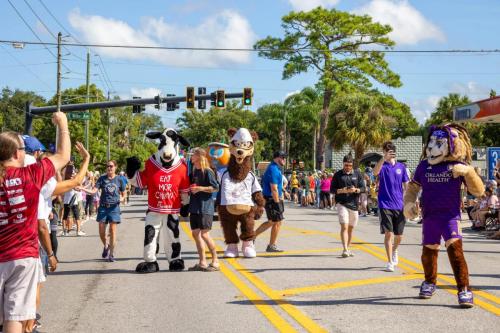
column 63, row 149
column 69, row 184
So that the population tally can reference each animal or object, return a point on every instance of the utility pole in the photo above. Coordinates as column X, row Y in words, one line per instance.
column 59, row 39
column 58, row 89
column 87, row 100
column 109, row 134
column 314, row 149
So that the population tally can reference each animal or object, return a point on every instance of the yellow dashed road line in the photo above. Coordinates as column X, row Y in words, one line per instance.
column 266, row 309
column 348, row 284
column 409, row 266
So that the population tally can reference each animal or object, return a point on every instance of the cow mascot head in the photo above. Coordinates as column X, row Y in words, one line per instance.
column 165, row 175
column 443, row 169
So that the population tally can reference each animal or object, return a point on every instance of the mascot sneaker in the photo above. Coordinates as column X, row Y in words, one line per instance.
column 231, row 251
column 427, row 290
column 465, row 299
column 248, row 249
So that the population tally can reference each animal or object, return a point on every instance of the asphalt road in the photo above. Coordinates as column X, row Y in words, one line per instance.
column 307, row 288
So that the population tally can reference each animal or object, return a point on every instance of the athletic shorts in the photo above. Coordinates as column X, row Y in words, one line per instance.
column 107, row 214
column 201, row 221
column 434, row 229
column 74, row 209
column 272, row 214
column 392, row 220
column 18, row 284
column 347, row 216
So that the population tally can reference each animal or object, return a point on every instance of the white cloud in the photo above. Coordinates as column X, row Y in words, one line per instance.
column 226, row 29
column 408, row 24
column 422, row 108
column 471, row 89
column 306, row 5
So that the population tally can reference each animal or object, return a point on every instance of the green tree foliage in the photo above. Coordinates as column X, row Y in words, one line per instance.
column 359, row 121
column 329, row 42
column 201, row 127
column 405, row 123
column 12, row 105
column 303, row 111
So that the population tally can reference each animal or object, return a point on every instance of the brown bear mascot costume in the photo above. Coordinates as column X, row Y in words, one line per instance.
column 440, row 174
column 241, row 199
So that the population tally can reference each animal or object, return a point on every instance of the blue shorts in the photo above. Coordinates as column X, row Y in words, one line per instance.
column 108, row 213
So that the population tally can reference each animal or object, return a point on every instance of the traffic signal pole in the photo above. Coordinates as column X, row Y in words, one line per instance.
column 31, row 111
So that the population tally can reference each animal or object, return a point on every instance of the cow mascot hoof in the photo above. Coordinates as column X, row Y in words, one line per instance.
column 147, row 267
column 176, row 265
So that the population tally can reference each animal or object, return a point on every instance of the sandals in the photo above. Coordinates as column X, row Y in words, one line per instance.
column 199, row 268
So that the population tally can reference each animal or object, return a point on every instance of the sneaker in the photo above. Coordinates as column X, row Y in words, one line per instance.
column 427, row 290
column 81, row 233
column 350, row 253
column 395, row 258
column 111, row 258
column 273, row 248
column 389, row 267
column 345, row 253
column 465, row 299
column 105, row 252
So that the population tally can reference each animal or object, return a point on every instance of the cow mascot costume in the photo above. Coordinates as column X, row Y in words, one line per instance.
column 439, row 175
column 165, row 175
column 241, row 199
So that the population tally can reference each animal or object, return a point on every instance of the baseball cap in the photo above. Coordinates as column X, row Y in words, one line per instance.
column 32, row 144
column 279, row 153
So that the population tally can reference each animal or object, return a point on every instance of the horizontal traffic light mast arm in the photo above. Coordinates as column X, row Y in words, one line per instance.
column 119, row 103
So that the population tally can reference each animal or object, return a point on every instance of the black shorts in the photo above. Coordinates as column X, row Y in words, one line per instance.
column 74, row 209
column 273, row 214
column 201, row 221
column 392, row 220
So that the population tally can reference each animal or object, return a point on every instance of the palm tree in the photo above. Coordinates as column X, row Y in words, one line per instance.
column 302, row 119
column 358, row 120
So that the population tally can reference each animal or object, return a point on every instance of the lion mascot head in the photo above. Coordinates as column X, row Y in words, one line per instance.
column 448, row 142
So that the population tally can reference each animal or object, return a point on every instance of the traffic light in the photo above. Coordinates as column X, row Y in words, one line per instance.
column 170, row 105
column 247, row 96
column 190, row 97
column 158, row 102
column 202, row 104
column 213, row 98
column 138, row 108
column 221, row 99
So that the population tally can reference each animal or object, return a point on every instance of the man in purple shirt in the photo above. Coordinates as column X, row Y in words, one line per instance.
column 393, row 179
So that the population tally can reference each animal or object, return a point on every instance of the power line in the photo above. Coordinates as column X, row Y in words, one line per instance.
column 23, row 65
column 36, row 35
column 185, row 48
column 71, row 35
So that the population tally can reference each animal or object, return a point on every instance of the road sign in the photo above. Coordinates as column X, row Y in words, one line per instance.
column 79, row 115
column 493, row 156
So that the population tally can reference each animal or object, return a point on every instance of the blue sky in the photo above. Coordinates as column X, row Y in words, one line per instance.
column 418, row 25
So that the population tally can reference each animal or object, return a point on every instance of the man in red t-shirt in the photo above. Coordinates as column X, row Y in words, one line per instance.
column 19, row 194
